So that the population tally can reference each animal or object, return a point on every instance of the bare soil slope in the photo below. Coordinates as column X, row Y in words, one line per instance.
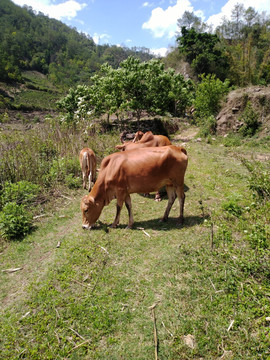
column 229, row 117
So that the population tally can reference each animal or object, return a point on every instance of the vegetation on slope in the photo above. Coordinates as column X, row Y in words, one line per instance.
column 30, row 41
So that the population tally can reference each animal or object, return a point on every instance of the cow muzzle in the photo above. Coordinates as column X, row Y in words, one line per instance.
column 86, row 227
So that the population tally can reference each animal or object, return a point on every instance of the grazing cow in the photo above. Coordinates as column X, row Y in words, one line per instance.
column 88, row 164
column 136, row 171
column 148, row 140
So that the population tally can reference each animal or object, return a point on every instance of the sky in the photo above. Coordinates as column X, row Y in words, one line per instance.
column 137, row 23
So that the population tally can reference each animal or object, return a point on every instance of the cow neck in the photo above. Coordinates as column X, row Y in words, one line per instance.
column 98, row 192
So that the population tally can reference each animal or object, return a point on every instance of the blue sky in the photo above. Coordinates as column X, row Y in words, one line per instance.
column 151, row 24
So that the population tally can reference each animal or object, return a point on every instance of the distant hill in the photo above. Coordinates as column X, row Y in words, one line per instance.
column 31, row 41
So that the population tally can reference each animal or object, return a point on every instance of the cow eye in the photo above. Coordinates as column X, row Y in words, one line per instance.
column 85, row 211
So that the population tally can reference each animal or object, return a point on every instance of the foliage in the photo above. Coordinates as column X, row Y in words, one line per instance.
column 209, row 93
column 232, row 207
column 238, row 50
column 32, row 41
column 203, row 52
column 259, row 180
column 250, row 121
column 135, row 86
column 15, row 221
column 22, row 192
column 62, row 171
column 208, row 126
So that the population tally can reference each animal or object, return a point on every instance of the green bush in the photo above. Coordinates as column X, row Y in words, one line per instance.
column 22, row 192
column 259, row 180
column 15, row 221
column 73, row 182
column 250, row 120
column 60, row 169
column 232, row 140
column 208, row 127
column 209, row 94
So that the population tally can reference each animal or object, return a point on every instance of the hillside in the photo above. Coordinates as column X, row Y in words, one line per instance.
column 33, row 41
column 229, row 118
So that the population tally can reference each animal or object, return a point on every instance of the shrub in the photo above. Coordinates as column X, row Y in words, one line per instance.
column 73, row 182
column 22, row 192
column 209, row 94
column 208, row 127
column 15, row 221
column 232, row 140
column 59, row 170
column 250, row 120
column 259, row 180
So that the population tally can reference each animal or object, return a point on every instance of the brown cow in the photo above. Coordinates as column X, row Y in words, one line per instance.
column 136, row 171
column 88, row 164
column 148, row 140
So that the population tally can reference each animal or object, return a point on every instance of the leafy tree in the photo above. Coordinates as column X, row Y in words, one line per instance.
column 208, row 96
column 189, row 20
column 135, row 86
column 203, row 51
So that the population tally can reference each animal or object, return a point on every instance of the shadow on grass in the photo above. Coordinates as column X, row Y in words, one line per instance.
column 156, row 224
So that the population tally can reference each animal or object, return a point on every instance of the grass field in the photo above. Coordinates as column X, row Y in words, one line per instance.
column 200, row 291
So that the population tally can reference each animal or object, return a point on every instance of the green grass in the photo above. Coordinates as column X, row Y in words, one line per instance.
column 90, row 297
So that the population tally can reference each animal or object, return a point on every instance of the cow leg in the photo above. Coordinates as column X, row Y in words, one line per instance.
column 130, row 215
column 157, row 196
column 90, row 174
column 117, row 217
column 84, row 180
column 181, row 197
column 171, row 198
column 89, row 180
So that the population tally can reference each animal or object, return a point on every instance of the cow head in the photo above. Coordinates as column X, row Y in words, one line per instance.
column 91, row 211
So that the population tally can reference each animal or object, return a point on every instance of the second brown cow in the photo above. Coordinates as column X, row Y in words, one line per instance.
column 88, row 164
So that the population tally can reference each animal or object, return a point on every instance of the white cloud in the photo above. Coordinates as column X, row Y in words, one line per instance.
column 98, row 37
column 226, row 10
column 159, row 52
column 164, row 22
column 67, row 9
column 147, row 4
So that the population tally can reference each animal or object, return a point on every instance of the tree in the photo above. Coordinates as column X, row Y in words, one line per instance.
column 208, row 95
column 135, row 86
column 204, row 52
column 189, row 20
